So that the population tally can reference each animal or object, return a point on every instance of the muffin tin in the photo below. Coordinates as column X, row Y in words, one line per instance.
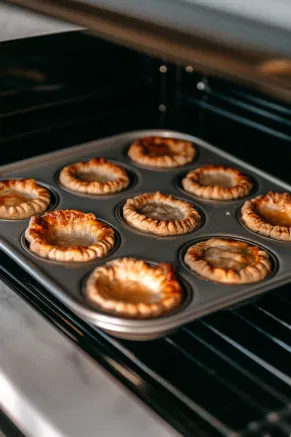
column 220, row 219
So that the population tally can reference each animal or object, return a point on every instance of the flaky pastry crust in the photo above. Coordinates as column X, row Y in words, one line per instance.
column 217, row 182
column 69, row 236
column 161, row 152
column 269, row 215
column 160, row 214
column 112, row 178
column 228, row 261
column 22, row 198
column 132, row 288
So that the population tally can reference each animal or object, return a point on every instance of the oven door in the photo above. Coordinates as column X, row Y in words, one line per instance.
column 245, row 43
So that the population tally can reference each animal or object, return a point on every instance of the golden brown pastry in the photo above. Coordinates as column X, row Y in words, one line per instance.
column 161, row 214
column 69, row 236
column 228, row 261
column 269, row 215
column 217, row 182
column 97, row 176
column 161, row 152
column 22, row 198
column 132, row 288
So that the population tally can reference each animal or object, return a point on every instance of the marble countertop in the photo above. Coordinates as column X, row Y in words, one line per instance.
column 51, row 388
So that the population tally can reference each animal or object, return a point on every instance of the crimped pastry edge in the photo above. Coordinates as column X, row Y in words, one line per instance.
column 137, row 154
column 68, row 178
column 158, row 227
column 259, row 270
column 162, row 273
column 27, row 209
column 37, row 236
column 254, row 222
column 191, row 184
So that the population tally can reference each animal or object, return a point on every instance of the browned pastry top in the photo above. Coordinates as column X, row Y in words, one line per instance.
column 228, row 261
column 97, row 176
column 22, row 198
column 69, row 236
column 269, row 215
column 133, row 288
column 160, row 214
column 217, row 182
column 161, row 152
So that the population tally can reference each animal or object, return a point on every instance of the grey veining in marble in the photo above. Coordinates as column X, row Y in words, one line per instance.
column 51, row 388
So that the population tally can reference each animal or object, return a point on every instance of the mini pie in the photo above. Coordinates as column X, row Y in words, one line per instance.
column 69, row 236
column 133, row 288
column 97, row 176
column 22, row 198
column 161, row 152
column 161, row 214
column 269, row 215
column 217, row 182
column 228, row 261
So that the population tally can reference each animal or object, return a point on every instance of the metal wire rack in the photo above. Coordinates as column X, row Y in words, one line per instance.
column 230, row 373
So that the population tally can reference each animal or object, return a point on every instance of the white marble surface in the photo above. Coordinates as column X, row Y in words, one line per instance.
column 51, row 388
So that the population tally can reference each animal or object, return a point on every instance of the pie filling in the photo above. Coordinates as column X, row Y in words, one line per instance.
column 161, row 211
column 128, row 291
column 63, row 239
column 95, row 176
column 222, row 180
column 226, row 257
column 13, row 198
column 158, row 150
column 274, row 215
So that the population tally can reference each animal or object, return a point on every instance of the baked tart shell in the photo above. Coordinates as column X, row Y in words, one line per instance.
column 69, row 236
column 96, row 177
column 148, row 213
column 22, row 198
column 132, row 288
column 217, row 182
column 162, row 152
column 269, row 215
column 228, row 261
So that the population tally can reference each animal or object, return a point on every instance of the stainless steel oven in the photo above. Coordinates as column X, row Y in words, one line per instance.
column 217, row 74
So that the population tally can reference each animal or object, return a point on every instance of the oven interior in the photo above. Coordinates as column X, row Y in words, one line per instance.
column 229, row 373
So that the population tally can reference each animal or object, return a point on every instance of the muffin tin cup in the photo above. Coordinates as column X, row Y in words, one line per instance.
column 187, row 294
column 133, row 178
column 54, row 199
column 120, row 216
column 221, row 219
column 26, row 246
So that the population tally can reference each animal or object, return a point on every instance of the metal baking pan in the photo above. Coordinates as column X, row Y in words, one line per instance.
column 66, row 281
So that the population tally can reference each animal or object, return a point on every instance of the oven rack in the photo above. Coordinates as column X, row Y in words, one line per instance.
column 227, row 375
column 259, row 380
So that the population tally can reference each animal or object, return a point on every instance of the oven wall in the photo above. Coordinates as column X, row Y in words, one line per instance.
column 237, row 119
column 77, row 88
